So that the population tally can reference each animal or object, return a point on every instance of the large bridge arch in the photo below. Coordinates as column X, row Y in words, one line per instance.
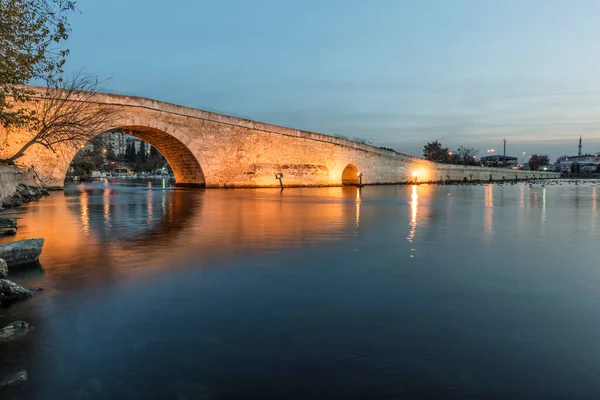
column 185, row 165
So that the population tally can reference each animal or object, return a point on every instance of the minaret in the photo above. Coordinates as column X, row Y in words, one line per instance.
column 579, row 145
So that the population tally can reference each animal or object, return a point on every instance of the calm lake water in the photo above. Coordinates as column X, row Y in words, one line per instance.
column 446, row 292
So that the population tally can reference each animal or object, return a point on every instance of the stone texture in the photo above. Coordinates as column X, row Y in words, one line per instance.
column 18, row 377
column 17, row 200
column 3, row 269
column 11, row 292
column 7, row 202
column 14, row 330
column 215, row 150
column 11, row 177
column 22, row 251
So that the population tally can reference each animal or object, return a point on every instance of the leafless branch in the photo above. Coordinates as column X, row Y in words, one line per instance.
column 68, row 116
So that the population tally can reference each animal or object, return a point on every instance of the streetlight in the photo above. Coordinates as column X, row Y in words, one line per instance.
column 491, row 152
column 359, row 174
column 415, row 175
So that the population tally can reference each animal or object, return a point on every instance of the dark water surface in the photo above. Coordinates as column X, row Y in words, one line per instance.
column 388, row 292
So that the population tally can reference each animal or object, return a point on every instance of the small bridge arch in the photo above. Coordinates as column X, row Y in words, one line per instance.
column 350, row 176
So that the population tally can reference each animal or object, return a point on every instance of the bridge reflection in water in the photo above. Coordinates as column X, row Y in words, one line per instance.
column 221, row 285
column 116, row 231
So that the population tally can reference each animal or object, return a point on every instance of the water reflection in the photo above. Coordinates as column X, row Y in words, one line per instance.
column 154, row 227
column 149, row 206
column 414, row 205
column 593, row 220
column 357, row 209
column 274, row 279
column 488, row 217
column 106, row 199
column 84, row 210
column 544, row 209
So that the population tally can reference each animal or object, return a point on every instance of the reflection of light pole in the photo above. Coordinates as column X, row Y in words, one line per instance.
column 359, row 178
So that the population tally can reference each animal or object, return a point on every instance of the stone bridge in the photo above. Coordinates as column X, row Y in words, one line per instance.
column 207, row 149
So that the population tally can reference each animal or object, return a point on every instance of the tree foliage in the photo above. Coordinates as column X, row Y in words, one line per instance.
column 91, row 157
column 538, row 160
column 31, row 32
column 434, row 151
column 464, row 155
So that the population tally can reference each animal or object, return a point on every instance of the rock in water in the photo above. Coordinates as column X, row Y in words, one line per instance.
column 20, row 376
column 14, row 330
column 10, row 292
column 7, row 202
column 22, row 251
column 3, row 269
column 8, row 226
column 17, row 200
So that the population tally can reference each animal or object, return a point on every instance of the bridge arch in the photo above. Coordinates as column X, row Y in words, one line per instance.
column 182, row 161
column 350, row 176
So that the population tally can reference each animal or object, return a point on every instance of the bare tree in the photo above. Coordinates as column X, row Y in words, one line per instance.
column 67, row 115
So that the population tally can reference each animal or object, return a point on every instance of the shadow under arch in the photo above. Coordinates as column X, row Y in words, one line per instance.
column 184, row 164
column 182, row 161
column 350, row 176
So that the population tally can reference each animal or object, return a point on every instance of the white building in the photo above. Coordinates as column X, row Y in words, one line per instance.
column 118, row 142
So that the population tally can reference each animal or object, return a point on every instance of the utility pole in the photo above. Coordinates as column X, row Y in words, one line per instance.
column 580, row 145
column 504, row 161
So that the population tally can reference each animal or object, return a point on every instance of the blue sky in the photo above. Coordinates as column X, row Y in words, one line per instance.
column 394, row 72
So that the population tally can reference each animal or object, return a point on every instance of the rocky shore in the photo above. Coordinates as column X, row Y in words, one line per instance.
column 23, row 194
column 15, row 255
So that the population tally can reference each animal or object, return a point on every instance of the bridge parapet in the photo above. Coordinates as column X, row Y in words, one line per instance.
column 215, row 150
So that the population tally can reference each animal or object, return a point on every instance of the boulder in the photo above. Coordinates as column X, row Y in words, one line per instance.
column 8, row 226
column 22, row 251
column 7, row 202
column 44, row 192
column 3, row 269
column 24, row 192
column 19, row 377
column 10, row 292
column 14, row 330
column 34, row 192
column 17, row 200
column 22, row 188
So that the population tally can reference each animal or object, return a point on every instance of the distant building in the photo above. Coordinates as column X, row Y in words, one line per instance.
column 118, row 142
column 499, row 161
column 584, row 163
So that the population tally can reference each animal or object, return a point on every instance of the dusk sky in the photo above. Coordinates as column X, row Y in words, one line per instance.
column 397, row 73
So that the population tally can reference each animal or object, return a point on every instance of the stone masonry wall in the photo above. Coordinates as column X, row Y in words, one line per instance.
column 10, row 178
column 214, row 150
